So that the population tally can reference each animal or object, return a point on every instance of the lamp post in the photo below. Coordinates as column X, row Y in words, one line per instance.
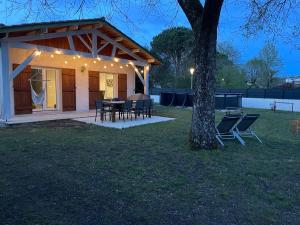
column 192, row 71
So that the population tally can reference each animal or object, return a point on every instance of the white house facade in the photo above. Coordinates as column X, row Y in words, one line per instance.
column 67, row 65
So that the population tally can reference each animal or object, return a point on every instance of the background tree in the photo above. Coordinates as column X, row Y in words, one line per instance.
column 254, row 69
column 271, row 62
column 229, row 74
column 203, row 17
column 226, row 48
column 173, row 46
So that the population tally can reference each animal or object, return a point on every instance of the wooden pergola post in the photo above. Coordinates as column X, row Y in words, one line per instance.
column 5, row 83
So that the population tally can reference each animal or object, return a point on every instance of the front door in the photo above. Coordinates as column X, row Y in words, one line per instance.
column 51, row 91
column 68, row 90
column 122, row 86
column 94, row 88
column 22, row 92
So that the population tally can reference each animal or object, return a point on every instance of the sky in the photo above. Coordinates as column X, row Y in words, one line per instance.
column 142, row 22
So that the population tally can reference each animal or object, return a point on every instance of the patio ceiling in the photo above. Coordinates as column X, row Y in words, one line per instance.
column 89, row 38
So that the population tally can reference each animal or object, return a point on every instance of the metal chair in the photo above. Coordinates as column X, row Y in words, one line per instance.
column 138, row 109
column 147, row 107
column 127, row 108
column 225, row 129
column 243, row 128
column 102, row 110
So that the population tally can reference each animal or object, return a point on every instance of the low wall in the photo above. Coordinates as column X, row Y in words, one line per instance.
column 156, row 98
column 259, row 103
column 264, row 103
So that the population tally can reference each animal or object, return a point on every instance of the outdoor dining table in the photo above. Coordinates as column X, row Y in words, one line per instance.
column 114, row 106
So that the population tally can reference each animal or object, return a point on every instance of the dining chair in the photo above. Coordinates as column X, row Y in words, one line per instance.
column 102, row 110
column 138, row 109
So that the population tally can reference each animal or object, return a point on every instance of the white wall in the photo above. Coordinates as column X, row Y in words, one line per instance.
column 17, row 56
column 265, row 103
column 82, row 90
column 156, row 98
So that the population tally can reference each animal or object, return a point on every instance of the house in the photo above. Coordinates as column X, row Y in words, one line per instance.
column 66, row 65
column 293, row 80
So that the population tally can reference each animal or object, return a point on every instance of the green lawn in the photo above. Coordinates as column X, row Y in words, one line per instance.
column 68, row 173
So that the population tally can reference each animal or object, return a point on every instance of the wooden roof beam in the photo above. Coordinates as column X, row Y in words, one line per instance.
column 151, row 60
column 122, row 52
column 119, row 39
column 37, row 32
column 63, row 29
column 86, row 27
column 135, row 50
column 98, row 26
column 73, row 28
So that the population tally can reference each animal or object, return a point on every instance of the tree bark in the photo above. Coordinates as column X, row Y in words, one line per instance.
column 204, row 22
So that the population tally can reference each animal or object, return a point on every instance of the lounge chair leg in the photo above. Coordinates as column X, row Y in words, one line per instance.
column 220, row 141
column 256, row 137
column 237, row 136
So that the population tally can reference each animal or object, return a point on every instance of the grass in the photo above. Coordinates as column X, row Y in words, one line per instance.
column 63, row 173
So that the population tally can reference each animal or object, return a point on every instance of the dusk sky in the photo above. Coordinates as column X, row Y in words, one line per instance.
column 145, row 22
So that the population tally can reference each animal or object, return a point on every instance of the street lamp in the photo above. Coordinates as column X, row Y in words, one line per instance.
column 192, row 71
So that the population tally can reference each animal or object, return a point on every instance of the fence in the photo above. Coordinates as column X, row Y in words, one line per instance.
column 186, row 100
column 275, row 93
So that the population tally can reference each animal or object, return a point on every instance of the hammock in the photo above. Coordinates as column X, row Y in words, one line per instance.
column 37, row 99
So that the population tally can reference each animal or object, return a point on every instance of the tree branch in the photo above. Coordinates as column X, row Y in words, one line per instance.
column 193, row 9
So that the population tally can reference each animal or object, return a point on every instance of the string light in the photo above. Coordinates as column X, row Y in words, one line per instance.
column 94, row 62
column 58, row 52
column 85, row 64
column 98, row 58
column 116, row 60
column 136, row 69
column 78, row 56
column 121, row 67
column 126, row 65
column 111, row 64
column 37, row 53
column 52, row 56
column 105, row 67
column 74, row 57
column 66, row 62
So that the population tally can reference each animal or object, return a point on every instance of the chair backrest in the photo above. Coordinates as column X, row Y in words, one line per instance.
column 139, row 104
column 99, row 104
column 147, row 104
column 247, row 121
column 227, row 124
column 128, row 104
column 139, row 96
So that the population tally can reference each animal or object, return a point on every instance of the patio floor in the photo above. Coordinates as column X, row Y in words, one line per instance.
column 47, row 116
column 121, row 124
column 86, row 117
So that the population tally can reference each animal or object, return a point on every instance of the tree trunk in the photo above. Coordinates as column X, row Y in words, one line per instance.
column 204, row 22
column 203, row 134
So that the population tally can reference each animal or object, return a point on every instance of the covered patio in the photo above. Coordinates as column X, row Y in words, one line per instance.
column 53, row 68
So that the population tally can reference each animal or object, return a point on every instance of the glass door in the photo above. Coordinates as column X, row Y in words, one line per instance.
column 51, row 89
column 109, row 86
column 36, row 76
